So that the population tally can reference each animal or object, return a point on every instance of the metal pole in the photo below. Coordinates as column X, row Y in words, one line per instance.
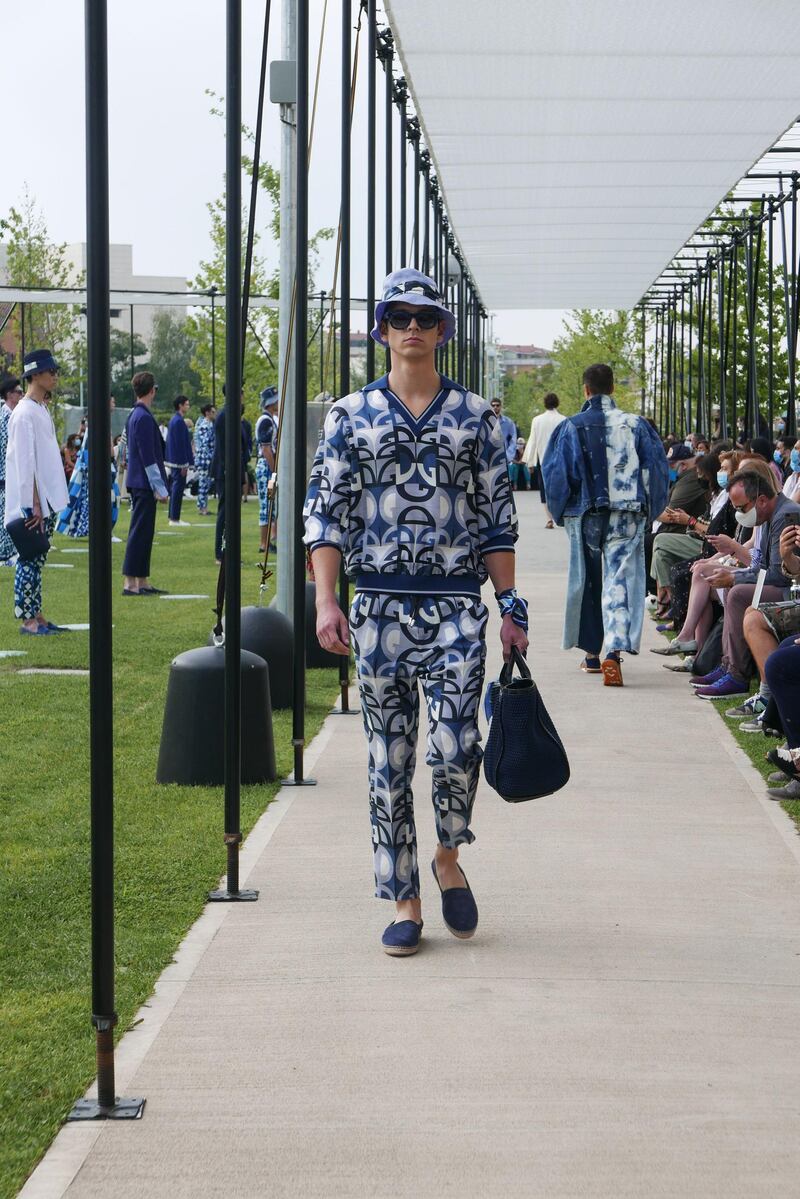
column 643, row 360
column 417, row 181
column 344, row 291
column 233, row 453
column 101, row 691
column 426, row 244
column 286, row 532
column 133, row 363
column 770, row 315
column 301, row 398
column 372, row 49
column 387, row 56
column 401, row 100
column 321, row 343
column 213, row 291
column 251, row 220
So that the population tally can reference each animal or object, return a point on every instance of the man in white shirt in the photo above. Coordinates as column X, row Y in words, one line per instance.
column 543, row 427
column 36, row 487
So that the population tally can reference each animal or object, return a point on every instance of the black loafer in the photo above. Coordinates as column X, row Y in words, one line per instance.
column 459, row 909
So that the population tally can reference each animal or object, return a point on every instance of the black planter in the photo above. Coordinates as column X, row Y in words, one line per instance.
column 192, row 750
column 268, row 633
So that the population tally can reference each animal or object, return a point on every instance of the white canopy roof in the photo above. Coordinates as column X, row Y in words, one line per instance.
column 579, row 143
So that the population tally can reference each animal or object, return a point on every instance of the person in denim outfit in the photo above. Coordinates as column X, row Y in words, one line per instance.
column 605, row 474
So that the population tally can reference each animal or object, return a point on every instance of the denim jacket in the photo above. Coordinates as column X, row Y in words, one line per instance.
column 605, row 458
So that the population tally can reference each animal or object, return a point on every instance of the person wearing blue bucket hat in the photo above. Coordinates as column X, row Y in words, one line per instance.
column 266, row 434
column 36, row 487
column 410, row 485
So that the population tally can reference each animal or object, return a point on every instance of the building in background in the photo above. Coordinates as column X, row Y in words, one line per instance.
column 515, row 360
column 122, row 277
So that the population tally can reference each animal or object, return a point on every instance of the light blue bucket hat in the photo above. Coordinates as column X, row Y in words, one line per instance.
column 408, row 286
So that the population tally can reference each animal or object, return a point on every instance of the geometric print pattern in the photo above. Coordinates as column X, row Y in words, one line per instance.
column 203, row 453
column 426, row 496
column 28, row 580
column 74, row 519
column 263, row 476
column 399, row 642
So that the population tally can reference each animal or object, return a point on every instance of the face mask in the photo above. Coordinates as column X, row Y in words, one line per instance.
column 777, row 456
column 673, row 475
column 722, row 477
column 748, row 520
column 689, row 442
column 794, row 460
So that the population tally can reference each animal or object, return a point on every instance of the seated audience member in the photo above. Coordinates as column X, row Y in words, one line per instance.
column 69, row 453
column 756, row 504
column 686, row 579
column 670, row 548
column 760, row 447
column 764, row 629
column 688, row 494
column 791, row 486
column 782, row 674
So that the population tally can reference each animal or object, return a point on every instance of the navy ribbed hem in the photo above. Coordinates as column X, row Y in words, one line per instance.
column 406, row 584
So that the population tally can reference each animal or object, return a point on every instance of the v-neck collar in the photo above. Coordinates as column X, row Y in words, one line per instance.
column 416, row 423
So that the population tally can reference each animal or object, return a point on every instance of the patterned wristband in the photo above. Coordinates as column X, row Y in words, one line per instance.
column 513, row 605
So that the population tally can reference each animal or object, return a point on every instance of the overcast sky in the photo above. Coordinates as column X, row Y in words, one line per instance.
column 166, row 149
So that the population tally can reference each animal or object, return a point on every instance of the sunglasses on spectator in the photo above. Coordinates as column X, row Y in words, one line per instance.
column 402, row 320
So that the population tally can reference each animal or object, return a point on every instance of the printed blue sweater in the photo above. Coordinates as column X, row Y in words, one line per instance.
column 605, row 458
column 414, row 505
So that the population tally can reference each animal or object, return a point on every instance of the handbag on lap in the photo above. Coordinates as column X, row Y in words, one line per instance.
column 524, row 757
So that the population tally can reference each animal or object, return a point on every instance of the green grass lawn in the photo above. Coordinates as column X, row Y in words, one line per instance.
column 755, row 745
column 169, row 849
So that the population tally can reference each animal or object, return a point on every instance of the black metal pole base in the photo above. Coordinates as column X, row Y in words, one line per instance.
column 92, row 1109
column 345, row 712
column 292, row 782
column 226, row 896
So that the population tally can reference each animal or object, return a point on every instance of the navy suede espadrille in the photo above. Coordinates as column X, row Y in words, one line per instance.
column 402, row 939
column 459, row 909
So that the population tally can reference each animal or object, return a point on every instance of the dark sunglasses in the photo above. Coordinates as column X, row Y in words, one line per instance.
column 402, row 320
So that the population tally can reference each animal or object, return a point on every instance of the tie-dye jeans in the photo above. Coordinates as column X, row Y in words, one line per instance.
column 606, row 585
column 440, row 642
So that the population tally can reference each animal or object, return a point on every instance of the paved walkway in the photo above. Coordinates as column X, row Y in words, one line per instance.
column 625, row 1023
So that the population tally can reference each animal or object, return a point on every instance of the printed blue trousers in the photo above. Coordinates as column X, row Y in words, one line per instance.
column 263, row 476
column 400, row 641
column 606, row 584
column 203, row 484
column 28, row 580
column 7, row 547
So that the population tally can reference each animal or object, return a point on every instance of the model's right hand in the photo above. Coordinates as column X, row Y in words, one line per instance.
column 332, row 631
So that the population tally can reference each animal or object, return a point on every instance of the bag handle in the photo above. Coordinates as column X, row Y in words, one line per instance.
column 507, row 673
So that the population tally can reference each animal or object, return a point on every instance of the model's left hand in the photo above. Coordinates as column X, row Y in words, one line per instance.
column 722, row 578
column 512, row 635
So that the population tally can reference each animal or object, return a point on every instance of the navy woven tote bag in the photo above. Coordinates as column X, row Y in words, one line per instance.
column 524, row 757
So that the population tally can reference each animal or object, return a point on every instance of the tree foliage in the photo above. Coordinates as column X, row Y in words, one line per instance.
column 172, row 349
column 32, row 260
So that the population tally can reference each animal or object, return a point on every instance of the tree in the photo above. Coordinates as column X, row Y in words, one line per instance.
column 32, row 260
column 172, row 348
column 121, row 374
column 597, row 336
column 261, row 335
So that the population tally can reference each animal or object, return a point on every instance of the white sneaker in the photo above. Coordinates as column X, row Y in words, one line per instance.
column 184, row 524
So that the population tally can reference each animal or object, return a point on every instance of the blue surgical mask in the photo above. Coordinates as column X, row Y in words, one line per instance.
column 673, row 475
column 722, row 477
column 777, row 456
column 794, row 460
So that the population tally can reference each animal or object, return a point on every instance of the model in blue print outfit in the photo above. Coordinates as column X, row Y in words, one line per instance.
column 203, row 454
column 410, row 485
column 178, row 457
column 74, row 518
column 605, row 473
column 266, row 434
